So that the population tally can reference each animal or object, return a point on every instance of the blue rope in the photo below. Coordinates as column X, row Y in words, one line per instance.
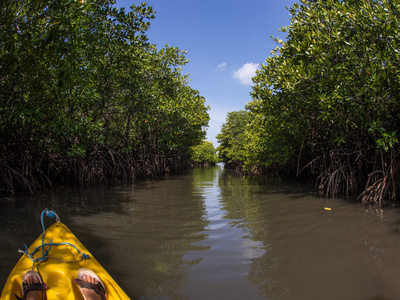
column 51, row 215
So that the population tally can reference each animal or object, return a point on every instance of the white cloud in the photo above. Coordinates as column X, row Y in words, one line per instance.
column 221, row 67
column 246, row 72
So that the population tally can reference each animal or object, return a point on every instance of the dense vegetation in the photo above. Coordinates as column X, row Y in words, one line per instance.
column 232, row 139
column 85, row 97
column 204, row 154
column 326, row 103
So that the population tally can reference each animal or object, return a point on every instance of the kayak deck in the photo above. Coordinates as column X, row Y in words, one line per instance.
column 61, row 267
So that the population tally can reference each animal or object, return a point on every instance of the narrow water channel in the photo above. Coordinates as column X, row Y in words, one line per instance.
column 211, row 234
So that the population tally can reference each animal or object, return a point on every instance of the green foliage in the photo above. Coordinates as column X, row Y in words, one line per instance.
column 204, row 153
column 78, row 77
column 330, row 91
column 336, row 75
column 232, row 138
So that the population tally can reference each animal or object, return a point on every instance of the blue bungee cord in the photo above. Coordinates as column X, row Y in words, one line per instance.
column 51, row 215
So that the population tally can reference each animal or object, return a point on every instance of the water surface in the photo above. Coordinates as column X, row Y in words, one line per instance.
column 211, row 234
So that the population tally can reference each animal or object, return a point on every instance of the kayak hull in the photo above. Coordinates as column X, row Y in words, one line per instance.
column 61, row 268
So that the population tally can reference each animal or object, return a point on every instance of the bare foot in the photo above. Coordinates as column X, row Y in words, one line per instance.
column 88, row 293
column 32, row 278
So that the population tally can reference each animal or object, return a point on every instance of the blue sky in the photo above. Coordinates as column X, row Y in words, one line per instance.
column 226, row 41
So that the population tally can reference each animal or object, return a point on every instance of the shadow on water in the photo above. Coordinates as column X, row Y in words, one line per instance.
column 209, row 233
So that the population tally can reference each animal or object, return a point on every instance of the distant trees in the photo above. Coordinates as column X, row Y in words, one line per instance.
column 85, row 97
column 204, row 154
column 326, row 103
column 233, row 139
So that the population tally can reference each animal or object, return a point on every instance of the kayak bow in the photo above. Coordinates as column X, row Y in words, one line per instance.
column 58, row 255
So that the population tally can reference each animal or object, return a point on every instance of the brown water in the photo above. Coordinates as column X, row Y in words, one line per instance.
column 211, row 234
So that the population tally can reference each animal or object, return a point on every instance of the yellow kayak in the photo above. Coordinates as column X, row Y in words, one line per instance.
column 58, row 255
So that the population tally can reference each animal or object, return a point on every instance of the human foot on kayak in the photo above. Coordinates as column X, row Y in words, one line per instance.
column 92, row 288
column 33, row 286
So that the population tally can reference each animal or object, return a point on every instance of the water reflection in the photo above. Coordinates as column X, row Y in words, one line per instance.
column 222, row 273
column 150, row 236
column 311, row 253
column 211, row 234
